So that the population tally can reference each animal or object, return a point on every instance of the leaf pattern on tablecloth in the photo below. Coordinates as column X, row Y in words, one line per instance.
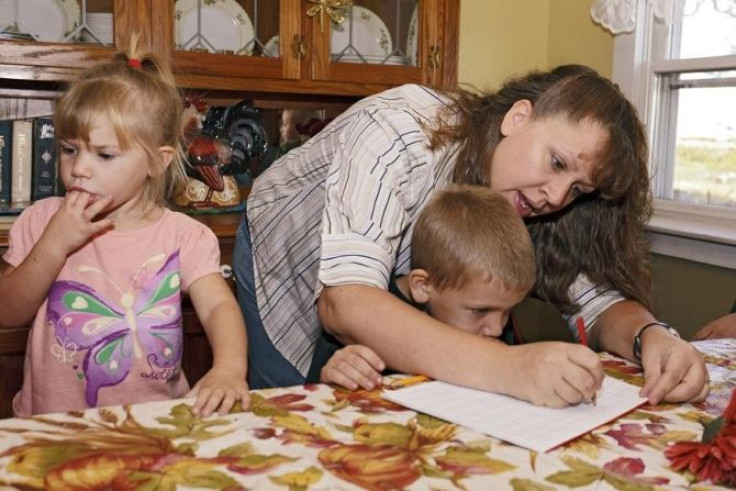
column 621, row 473
column 322, row 437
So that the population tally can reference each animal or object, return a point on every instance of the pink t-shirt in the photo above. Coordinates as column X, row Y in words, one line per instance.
column 110, row 330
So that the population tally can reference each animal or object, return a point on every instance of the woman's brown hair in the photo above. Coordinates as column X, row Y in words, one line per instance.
column 601, row 234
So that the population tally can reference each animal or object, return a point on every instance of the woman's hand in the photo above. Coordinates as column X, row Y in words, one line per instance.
column 674, row 371
column 354, row 366
column 219, row 390
column 554, row 374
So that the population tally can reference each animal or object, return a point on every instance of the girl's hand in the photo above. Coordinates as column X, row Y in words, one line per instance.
column 219, row 389
column 354, row 366
column 674, row 371
column 72, row 225
column 554, row 374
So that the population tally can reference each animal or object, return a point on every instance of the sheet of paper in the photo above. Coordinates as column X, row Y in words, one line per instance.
column 518, row 422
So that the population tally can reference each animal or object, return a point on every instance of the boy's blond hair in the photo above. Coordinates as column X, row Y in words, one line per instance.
column 468, row 232
column 137, row 93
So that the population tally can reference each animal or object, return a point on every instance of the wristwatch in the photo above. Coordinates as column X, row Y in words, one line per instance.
column 637, row 338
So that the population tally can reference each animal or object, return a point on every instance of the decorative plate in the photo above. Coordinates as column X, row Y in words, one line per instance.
column 223, row 27
column 45, row 20
column 412, row 47
column 370, row 36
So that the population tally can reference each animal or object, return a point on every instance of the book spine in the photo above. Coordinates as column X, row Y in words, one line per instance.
column 22, row 163
column 6, row 139
column 44, row 159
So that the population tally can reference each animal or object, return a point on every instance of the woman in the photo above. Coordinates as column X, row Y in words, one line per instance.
column 329, row 223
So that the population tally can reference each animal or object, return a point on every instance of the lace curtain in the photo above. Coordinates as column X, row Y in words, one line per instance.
column 620, row 15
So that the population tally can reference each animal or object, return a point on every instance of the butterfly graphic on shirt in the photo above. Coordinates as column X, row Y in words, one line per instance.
column 144, row 323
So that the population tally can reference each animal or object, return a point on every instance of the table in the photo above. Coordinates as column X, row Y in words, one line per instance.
column 320, row 437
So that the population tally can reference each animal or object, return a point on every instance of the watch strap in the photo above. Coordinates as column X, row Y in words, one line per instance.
column 637, row 339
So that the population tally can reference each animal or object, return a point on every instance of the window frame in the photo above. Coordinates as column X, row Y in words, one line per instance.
column 701, row 233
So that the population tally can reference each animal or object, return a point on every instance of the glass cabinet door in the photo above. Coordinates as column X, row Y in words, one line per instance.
column 376, row 32
column 231, row 40
column 379, row 42
column 58, row 21
column 232, row 27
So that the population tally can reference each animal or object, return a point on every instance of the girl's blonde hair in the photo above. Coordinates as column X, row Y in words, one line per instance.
column 136, row 92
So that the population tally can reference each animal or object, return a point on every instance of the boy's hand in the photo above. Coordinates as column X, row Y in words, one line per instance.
column 354, row 366
column 554, row 374
column 219, row 389
column 72, row 225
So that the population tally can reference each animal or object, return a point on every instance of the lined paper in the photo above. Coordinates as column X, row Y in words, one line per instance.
column 515, row 421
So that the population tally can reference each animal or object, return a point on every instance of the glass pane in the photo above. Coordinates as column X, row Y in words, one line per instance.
column 57, row 21
column 708, row 28
column 705, row 154
column 97, row 22
column 240, row 27
column 379, row 32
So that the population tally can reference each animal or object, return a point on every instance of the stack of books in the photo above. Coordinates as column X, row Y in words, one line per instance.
column 28, row 164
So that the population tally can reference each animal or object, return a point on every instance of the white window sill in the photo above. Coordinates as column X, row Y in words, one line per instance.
column 694, row 232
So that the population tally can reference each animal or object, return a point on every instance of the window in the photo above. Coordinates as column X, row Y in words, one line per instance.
column 681, row 74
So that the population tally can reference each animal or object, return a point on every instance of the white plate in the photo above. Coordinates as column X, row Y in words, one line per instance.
column 224, row 26
column 412, row 47
column 370, row 35
column 271, row 48
column 45, row 20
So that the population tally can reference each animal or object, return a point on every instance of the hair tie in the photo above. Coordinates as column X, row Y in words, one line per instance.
column 134, row 63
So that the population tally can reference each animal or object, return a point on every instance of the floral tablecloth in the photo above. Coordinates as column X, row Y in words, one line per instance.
column 320, row 437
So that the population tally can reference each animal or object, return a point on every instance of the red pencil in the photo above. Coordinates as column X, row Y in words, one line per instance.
column 581, row 331
column 584, row 341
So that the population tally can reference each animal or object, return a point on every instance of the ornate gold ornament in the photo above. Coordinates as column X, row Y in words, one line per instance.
column 335, row 9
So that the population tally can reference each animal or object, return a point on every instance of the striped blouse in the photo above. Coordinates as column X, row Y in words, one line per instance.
column 340, row 210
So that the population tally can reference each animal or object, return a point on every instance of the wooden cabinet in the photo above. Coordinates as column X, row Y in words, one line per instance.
column 197, row 356
column 305, row 65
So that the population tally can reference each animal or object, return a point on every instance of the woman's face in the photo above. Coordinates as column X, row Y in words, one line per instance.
column 542, row 165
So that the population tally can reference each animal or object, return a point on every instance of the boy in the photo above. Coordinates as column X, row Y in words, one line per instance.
column 472, row 261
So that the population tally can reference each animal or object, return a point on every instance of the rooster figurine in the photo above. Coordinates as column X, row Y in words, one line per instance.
column 220, row 141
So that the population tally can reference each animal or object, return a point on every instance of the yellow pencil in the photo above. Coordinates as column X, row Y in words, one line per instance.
column 403, row 382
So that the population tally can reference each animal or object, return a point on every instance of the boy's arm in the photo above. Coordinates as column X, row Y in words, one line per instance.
column 222, row 320
column 550, row 374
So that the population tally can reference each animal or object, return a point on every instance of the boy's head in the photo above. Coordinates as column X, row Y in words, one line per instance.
column 472, row 259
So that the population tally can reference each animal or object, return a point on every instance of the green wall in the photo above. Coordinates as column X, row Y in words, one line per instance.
column 690, row 294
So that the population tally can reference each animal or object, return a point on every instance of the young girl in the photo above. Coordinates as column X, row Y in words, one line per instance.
column 101, row 270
